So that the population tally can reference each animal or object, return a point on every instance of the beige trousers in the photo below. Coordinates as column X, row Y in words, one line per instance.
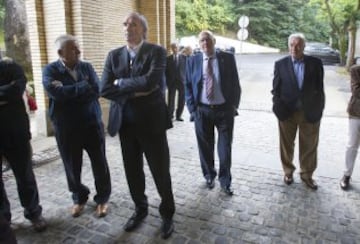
column 308, row 143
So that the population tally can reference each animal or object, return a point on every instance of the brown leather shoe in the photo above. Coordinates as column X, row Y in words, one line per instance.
column 288, row 179
column 102, row 210
column 77, row 209
column 309, row 182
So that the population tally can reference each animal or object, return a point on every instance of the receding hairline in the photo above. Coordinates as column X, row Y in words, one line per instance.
column 142, row 19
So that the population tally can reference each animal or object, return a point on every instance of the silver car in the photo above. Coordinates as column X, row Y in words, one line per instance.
column 322, row 51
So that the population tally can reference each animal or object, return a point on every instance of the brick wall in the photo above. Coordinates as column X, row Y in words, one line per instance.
column 98, row 26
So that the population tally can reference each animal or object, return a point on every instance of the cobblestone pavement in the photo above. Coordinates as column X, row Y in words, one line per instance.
column 262, row 210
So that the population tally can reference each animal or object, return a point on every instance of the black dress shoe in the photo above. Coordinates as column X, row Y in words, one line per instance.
column 167, row 228
column 228, row 190
column 210, row 183
column 309, row 182
column 288, row 179
column 179, row 119
column 345, row 182
column 135, row 220
column 39, row 224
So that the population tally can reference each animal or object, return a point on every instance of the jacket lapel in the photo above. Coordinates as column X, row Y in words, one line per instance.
column 198, row 61
column 221, row 61
column 63, row 70
column 306, row 69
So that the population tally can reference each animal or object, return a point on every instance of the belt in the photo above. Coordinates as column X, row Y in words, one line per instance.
column 143, row 94
column 213, row 106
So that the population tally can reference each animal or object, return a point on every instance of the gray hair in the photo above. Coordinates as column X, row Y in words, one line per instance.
column 300, row 36
column 208, row 33
column 61, row 40
column 142, row 19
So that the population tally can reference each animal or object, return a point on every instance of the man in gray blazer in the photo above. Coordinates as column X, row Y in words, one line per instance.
column 133, row 79
column 298, row 103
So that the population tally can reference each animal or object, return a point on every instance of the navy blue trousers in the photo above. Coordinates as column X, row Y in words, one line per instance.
column 71, row 143
column 206, row 120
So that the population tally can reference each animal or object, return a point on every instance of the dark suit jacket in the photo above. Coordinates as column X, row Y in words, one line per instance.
column 75, row 104
column 175, row 74
column 148, row 112
column 286, row 93
column 230, row 85
column 14, row 122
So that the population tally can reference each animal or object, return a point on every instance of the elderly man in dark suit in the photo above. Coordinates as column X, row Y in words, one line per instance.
column 298, row 103
column 133, row 79
column 15, row 144
column 72, row 87
column 212, row 97
column 175, row 81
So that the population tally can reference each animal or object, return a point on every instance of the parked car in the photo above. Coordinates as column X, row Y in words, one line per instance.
column 229, row 49
column 322, row 51
column 357, row 60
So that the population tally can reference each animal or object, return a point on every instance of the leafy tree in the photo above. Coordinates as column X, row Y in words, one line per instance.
column 2, row 15
column 272, row 21
column 341, row 16
column 16, row 34
column 192, row 16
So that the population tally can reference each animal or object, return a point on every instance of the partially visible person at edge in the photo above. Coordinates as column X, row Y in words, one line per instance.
column 28, row 90
column 212, row 96
column 175, row 81
column 354, row 127
column 15, row 146
column 74, row 109
column 7, row 235
column 133, row 79
column 298, row 103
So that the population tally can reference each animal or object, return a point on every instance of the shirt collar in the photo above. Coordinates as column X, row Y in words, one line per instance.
column 67, row 68
column 135, row 49
column 297, row 61
column 205, row 57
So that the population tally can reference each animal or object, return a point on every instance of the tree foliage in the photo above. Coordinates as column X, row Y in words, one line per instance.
column 2, row 16
column 271, row 21
column 192, row 16
column 341, row 16
column 16, row 34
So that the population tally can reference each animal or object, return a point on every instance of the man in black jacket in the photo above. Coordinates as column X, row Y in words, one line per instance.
column 15, row 144
column 298, row 103
column 175, row 81
column 133, row 79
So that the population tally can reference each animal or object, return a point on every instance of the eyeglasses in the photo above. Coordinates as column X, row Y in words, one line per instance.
column 126, row 24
